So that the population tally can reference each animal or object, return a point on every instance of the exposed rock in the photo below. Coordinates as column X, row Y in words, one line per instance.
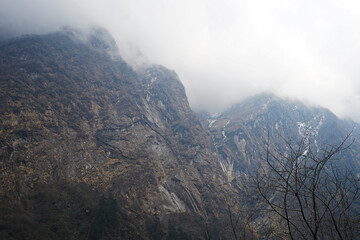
column 71, row 111
column 241, row 132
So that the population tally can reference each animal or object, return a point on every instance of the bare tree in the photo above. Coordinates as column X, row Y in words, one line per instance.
column 310, row 191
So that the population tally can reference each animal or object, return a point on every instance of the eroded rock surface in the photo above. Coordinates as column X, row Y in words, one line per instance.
column 74, row 111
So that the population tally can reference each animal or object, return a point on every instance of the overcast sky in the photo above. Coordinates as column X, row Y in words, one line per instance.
column 224, row 50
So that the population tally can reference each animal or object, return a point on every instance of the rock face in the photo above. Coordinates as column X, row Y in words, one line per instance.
column 241, row 132
column 92, row 149
column 74, row 112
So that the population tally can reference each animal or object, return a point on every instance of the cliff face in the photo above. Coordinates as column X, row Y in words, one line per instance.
column 93, row 149
column 74, row 112
column 242, row 132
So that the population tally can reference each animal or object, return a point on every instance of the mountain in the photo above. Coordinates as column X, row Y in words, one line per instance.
column 241, row 133
column 353, row 127
column 82, row 133
column 91, row 148
column 295, row 138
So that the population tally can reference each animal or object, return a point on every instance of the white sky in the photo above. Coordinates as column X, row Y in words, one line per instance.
column 224, row 50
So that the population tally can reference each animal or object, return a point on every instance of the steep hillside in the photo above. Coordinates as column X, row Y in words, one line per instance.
column 353, row 127
column 78, row 123
column 241, row 132
column 91, row 148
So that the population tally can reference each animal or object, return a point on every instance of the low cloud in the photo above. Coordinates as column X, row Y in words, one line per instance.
column 223, row 51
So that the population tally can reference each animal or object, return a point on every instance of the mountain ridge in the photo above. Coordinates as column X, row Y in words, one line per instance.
column 92, row 148
column 73, row 113
column 241, row 132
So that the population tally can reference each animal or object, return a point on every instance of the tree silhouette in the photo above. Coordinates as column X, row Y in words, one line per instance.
column 311, row 192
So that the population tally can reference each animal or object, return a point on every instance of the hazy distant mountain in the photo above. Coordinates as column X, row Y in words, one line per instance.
column 353, row 127
column 241, row 133
column 92, row 149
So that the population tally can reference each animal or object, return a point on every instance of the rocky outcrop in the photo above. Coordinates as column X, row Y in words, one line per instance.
column 91, row 148
column 241, row 133
column 74, row 111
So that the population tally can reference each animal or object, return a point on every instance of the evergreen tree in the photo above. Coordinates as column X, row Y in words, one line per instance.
column 106, row 220
column 153, row 228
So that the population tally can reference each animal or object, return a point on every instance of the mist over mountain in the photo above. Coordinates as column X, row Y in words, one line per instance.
column 241, row 132
column 95, row 148
column 76, row 118
column 226, row 51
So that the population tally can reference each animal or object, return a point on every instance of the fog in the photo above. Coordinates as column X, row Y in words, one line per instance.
column 223, row 51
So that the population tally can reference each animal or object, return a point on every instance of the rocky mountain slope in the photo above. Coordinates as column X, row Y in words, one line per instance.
column 78, row 123
column 242, row 132
column 91, row 148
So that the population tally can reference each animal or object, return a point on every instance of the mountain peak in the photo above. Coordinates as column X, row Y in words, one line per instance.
column 241, row 132
column 72, row 114
column 96, row 37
